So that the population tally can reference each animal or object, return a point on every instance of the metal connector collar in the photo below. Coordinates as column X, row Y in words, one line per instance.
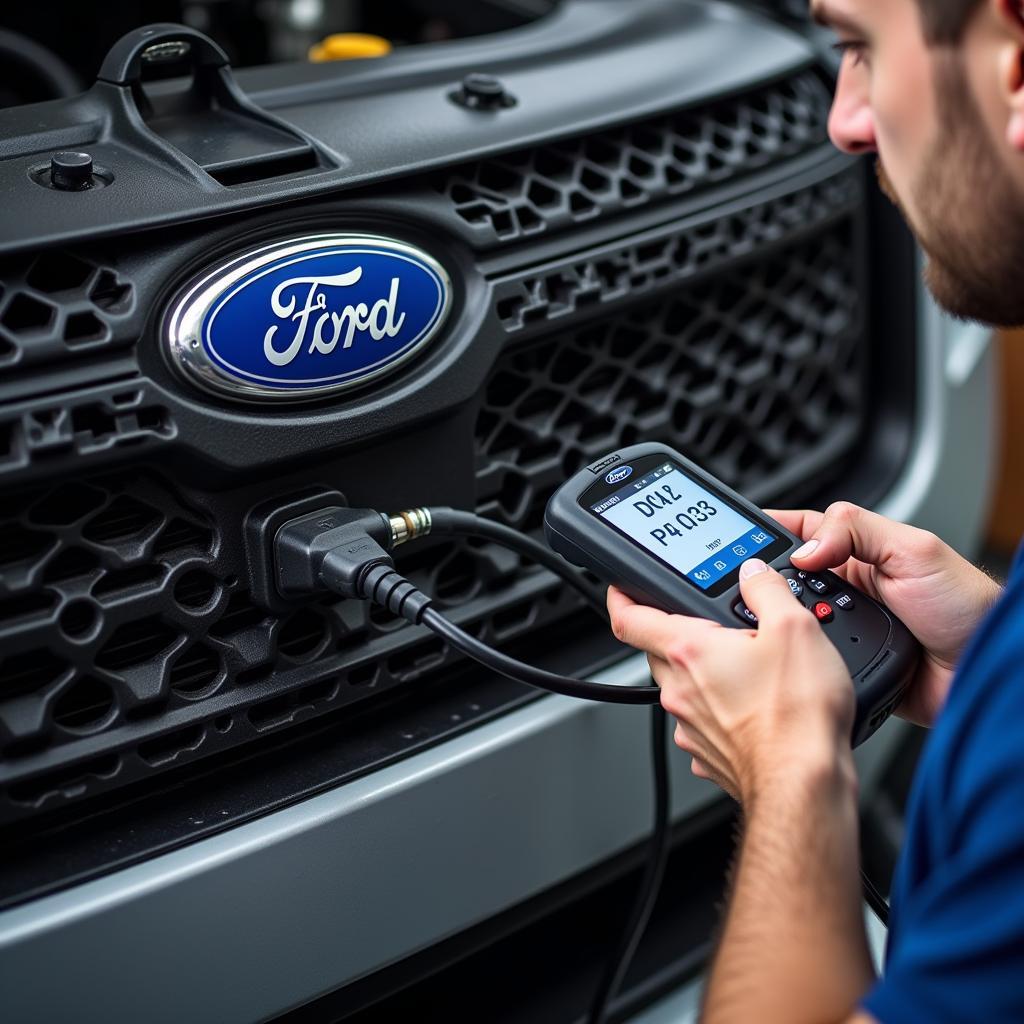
column 409, row 525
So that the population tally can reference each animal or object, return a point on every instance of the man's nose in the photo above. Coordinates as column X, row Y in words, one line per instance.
column 851, row 126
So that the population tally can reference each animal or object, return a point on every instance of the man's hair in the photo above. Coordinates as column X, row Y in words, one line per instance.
column 943, row 21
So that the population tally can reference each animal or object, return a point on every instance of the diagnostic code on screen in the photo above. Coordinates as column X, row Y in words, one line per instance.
column 684, row 524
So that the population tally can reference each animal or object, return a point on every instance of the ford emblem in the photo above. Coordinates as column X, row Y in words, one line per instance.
column 616, row 476
column 307, row 317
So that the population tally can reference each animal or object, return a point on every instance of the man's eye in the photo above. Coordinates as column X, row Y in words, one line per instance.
column 845, row 46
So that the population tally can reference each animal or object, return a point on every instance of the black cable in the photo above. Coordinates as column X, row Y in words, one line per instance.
column 523, row 673
column 452, row 522
column 654, row 872
column 874, row 899
column 346, row 551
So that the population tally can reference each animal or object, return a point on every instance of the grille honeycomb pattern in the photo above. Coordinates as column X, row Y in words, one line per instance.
column 635, row 269
column 128, row 643
column 524, row 193
column 82, row 425
column 83, row 563
column 58, row 303
column 752, row 373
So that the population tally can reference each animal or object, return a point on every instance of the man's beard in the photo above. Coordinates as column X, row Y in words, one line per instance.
column 970, row 212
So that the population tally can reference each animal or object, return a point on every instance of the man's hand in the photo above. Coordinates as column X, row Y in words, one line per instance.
column 751, row 706
column 938, row 594
column 767, row 715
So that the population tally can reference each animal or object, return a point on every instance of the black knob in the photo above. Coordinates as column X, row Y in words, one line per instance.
column 483, row 92
column 71, row 172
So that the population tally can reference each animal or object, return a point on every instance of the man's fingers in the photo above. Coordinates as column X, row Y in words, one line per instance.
column 690, row 741
column 658, row 666
column 637, row 625
column 766, row 593
column 651, row 630
column 801, row 521
column 702, row 771
column 847, row 531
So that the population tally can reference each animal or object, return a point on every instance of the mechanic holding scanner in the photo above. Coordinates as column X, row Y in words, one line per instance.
column 936, row 89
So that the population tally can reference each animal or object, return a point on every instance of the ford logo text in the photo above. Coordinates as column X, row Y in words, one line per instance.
column 616, row 476
column 307, row 317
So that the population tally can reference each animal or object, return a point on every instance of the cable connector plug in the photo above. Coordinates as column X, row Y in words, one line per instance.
column 345, row 551
column 300, row 546
column 378, row 583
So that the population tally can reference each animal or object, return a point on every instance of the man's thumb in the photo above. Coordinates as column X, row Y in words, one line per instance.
column 764, row 590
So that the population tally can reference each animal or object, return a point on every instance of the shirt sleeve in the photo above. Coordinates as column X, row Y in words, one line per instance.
column 958, row 953
column 961, row 950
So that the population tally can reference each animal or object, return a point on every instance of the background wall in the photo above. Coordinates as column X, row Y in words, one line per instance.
column 1007, row 524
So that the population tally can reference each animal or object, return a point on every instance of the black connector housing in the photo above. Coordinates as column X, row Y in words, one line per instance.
column 344, row 550
column 360, row 535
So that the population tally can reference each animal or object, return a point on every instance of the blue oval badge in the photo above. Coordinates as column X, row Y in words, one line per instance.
column 307, row 316
column 616, row 476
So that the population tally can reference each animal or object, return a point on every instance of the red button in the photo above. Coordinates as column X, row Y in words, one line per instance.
column 823, row 610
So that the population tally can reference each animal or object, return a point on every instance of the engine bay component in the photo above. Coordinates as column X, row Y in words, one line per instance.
column 350, row 46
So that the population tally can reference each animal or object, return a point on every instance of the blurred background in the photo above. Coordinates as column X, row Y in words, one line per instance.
column 1007, row 519
column 252, row 32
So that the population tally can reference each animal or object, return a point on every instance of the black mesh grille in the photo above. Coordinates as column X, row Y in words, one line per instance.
column 751, row 373
column 667, row 256
column 125, row 629
column 522, row 194
column 59, row 304
column 130, row 643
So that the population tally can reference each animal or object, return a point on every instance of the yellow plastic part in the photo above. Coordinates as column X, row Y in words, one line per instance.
column 349, row 46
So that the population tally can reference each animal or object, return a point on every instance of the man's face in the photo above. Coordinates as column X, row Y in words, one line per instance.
column 937, row 117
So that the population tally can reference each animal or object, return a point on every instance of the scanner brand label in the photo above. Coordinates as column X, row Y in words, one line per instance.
column 307, row 317
column 616, row 476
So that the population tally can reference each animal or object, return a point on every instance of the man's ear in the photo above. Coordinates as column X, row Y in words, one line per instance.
column 1010, row 15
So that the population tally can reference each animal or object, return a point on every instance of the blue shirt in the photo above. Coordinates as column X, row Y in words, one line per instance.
column 956, row 937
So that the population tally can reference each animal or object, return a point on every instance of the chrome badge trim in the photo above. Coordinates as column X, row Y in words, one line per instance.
column 191, row 353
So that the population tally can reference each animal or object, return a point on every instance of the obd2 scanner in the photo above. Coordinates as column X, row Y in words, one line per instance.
column 670, row 535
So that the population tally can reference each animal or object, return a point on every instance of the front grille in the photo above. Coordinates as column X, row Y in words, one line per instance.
column 756, row 373
column 131, row 640
column 130, row 643
column 57, row 305
column 529, row 192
